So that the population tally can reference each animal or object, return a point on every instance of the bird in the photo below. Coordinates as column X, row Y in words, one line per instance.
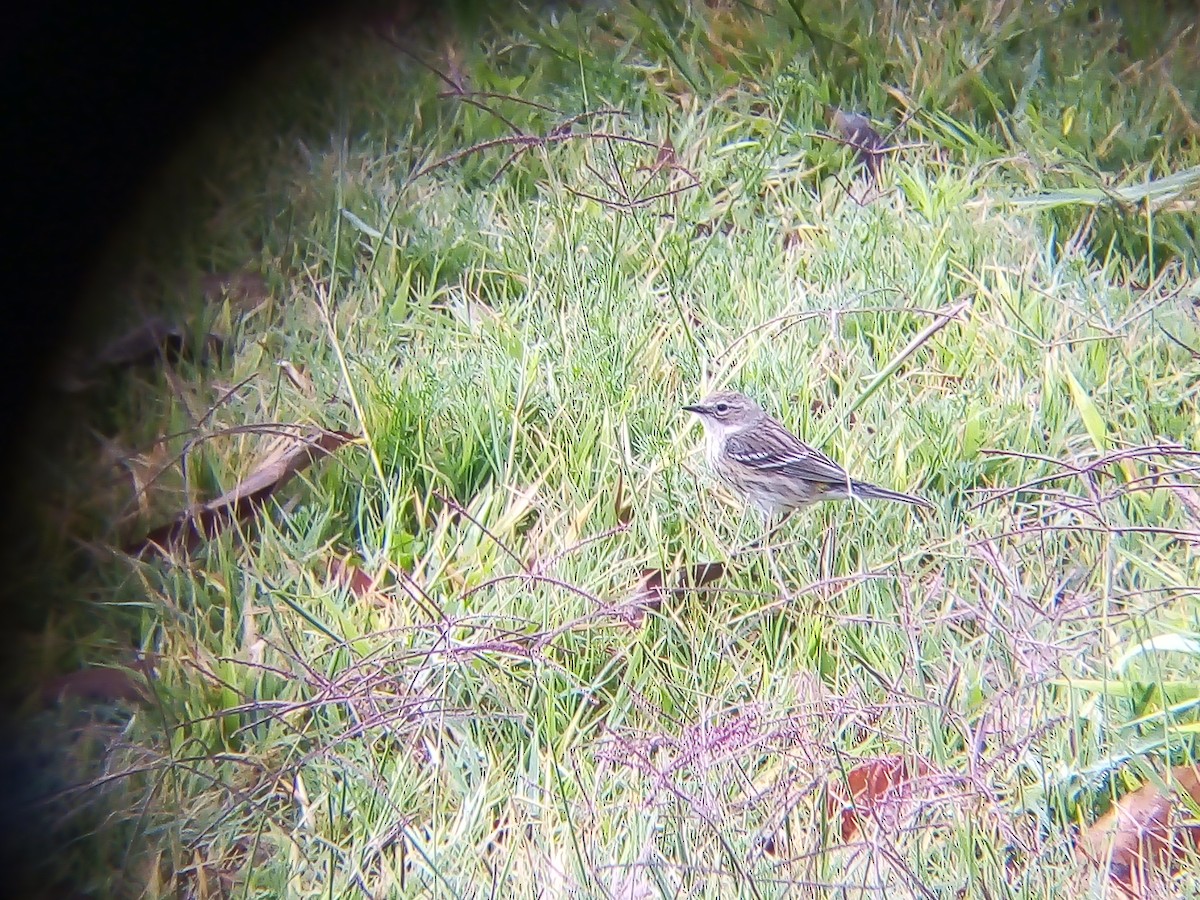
column 756, row 456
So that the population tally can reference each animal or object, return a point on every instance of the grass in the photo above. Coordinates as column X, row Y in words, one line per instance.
column 496, row 714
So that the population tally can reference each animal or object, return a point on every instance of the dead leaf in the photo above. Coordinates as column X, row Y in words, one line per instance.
column 292, row 453
column 875, row 787
column 141, row 470
column 347, row 575
column 704, row 229
column 246, row 290
column 799, row 236
column 1142, row 837
column 97, row 683
column 651, row 590
column 856, row 131
column 454, row 70
column 666, row 158
column 666, row 154
column 152, row 341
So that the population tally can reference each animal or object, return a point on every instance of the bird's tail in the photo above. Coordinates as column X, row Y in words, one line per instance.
column 874, row 492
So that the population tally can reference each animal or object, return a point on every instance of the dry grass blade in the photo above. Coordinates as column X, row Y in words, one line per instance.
column 298, row 378
column 1095, row 467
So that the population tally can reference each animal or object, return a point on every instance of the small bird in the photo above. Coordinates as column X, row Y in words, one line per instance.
column 755, row 455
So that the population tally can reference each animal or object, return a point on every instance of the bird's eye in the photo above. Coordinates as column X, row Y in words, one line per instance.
column 722, row 408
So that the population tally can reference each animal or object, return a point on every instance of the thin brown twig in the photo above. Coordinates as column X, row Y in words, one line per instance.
column 603, row 180
column 459, row 93
column 1075, row 469
column 528, row 140
column 602, row 536
column 536, row 578
column 1192, row 537
column 462, row 511
column 636, row 202
column 792, row 319
column 512, row 158
column 1192, row 350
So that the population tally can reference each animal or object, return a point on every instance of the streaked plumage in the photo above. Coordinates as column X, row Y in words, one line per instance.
column 756, row 456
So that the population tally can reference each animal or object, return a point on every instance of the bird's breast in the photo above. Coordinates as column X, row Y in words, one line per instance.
column 714, row 445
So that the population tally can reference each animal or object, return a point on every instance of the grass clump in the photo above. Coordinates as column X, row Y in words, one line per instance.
column 441, row 662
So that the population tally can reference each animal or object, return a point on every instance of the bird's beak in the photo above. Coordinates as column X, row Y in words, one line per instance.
column 697, row 408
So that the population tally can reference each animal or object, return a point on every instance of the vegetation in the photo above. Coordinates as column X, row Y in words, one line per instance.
column 454, row 657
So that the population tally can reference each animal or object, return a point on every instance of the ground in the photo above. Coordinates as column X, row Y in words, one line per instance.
column 497, row 635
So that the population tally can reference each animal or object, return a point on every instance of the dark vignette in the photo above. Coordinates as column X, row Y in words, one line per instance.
column 97, row 99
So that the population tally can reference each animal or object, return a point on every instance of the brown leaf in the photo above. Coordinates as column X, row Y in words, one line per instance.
column 704, row 229
column 503, row 830
column 292, row 453
column 871, row 788
column 153, row 341
column 799, row 236
column 666, row 158
column 247, row 290
column 97, row 684
column 345, row 573
column 1143, row 836
column 652, row 590
column 856, row 131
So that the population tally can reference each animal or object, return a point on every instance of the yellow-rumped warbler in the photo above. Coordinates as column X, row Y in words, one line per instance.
column 756, row 456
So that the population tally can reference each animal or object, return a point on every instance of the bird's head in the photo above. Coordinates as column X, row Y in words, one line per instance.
column 726, row 411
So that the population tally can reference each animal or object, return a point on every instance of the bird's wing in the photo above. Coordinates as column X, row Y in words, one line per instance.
column 780, row 451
